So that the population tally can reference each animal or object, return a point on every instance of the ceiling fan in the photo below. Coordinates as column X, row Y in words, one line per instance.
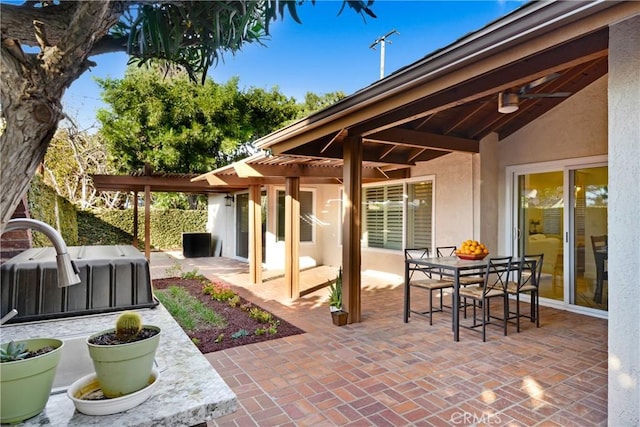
column 508, row 101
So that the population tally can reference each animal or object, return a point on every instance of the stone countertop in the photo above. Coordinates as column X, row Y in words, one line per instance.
column 189, row 391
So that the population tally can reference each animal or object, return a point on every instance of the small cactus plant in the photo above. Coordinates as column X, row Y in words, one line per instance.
column 128, row 326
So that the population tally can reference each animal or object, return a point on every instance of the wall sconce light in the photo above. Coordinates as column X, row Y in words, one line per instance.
column 507, row 102
column 228, row 200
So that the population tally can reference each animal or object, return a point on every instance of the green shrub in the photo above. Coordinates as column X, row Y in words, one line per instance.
column 260, row 315
column 45, row 205
column 115, row 226
column 218, row 291
column 92, row 230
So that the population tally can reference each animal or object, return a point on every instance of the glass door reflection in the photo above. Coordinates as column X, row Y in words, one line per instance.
column 540, row 227
column 590, row 207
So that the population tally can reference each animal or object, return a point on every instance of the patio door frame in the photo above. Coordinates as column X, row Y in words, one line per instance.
column 511, row 222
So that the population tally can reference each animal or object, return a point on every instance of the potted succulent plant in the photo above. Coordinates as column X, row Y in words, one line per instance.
column 123, row 356
column 338, row 315
column 27, row 369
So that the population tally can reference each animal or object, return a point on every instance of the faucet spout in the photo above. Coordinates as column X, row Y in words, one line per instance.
column 67, row 271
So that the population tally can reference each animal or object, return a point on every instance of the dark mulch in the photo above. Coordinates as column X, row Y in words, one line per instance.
column 236, row 319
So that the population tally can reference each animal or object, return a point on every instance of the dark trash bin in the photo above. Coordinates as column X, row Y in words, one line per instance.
column 196, row 245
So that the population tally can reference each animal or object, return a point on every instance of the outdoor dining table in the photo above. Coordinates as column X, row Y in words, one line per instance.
column 451, row 266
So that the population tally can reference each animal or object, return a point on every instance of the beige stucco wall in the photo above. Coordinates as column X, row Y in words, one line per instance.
column 575, row 128
column 624, row 224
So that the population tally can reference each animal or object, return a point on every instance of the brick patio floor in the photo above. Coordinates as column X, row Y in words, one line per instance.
column 383, row 372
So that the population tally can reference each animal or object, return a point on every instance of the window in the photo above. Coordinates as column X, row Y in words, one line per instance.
column 382, row 217
column 419, row 213
column 384, row 211
column 306, row 216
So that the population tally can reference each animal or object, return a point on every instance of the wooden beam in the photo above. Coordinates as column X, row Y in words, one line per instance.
column 418, row 139
column 147, row 222
column 255, row 234
column 351, row 227
column 518, row 73
column 292, row 236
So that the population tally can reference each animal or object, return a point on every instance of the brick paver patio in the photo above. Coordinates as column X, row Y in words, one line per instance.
column 383, row 372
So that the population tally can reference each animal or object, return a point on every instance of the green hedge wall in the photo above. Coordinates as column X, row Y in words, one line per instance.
column 167, row 226
column 45, row 205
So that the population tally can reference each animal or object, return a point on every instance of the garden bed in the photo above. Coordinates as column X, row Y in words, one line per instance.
column 213, row 338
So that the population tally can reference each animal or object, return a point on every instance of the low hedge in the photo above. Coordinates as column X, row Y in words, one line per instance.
column 167, row 226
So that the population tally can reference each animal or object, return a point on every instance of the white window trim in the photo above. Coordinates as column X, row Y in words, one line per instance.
column 314, row 204
column 405, row 185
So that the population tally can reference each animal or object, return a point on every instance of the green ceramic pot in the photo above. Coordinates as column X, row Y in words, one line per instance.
column 25, row 385
column 124, row 368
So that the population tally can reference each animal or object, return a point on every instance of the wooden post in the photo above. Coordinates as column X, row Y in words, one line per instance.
column 255, row 234
column 135, row 219
column 147, row 222
column 292, row 236
column 352, row 202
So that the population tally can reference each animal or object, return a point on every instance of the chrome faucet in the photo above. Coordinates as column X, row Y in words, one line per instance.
column 67, row 271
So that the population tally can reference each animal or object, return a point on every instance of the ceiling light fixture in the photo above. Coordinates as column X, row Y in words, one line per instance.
column 507, row 102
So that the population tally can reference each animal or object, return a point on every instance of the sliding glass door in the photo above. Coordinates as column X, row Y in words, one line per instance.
column 541, row 227
column 590, row 202
column 560, row 211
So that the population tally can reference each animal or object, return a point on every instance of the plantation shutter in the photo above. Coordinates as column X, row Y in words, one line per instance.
column 394, row 210
column 383, row 217
column 419, row 215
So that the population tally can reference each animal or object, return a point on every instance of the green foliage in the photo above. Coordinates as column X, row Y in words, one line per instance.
column 176, row 126
column 72, row 156
column 13, row 352
column 218, row 291
column 174, row 271
column 189, row 312
column 128, row 325
column 195, row 340
column 45, row 205
column 335, row 291
column 94, row 230
column 235, row 301
column 260, row 315
column 272, row 329
column 195, row 274
column 112, row 226
column 239, row 334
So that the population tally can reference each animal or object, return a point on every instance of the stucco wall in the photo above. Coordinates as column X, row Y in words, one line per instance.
column 624, row 224
column 575, row 128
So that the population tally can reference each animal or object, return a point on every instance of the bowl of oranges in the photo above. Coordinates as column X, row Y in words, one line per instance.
column 472, row 250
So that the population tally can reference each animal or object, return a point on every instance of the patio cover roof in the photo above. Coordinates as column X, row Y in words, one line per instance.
column 445, row 102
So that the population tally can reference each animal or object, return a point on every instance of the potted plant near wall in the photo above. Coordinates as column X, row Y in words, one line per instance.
column 338, row 315
column 123, row 356
column 27, row 370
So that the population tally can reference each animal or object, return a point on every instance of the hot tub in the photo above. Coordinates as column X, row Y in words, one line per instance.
column 113, row 278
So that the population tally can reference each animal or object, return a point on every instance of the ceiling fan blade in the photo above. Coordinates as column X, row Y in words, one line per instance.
column 537, row 82
column 546, row 95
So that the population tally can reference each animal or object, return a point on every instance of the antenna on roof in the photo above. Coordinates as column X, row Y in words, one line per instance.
column 381, row 41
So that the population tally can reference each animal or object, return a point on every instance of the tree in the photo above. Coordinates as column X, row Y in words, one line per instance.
column 177, row 127
column 65, row 35
column 73, row 155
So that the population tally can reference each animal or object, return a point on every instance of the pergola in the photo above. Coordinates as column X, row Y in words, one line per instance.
column 146, row 181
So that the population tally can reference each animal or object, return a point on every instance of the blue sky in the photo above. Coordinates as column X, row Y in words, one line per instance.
column 325, row 53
